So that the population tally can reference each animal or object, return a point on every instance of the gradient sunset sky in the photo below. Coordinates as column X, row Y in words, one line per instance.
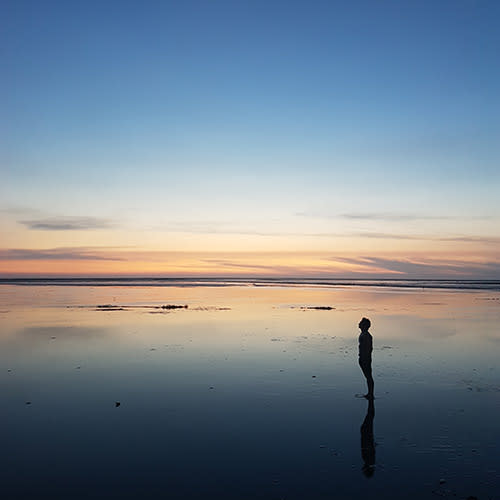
column 249, row 138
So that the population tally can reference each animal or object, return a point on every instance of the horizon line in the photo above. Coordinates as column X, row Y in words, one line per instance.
column 31, row 276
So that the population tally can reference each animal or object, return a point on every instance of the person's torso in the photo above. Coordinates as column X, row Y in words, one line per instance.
column 365, row 346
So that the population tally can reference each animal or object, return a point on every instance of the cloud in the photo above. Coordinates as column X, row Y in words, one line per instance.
column 65, row 253
column 392, row 236
column 219, row 227
column 67, row 223
column 233, row 229
column 229, row 263
column 19, row 211
column 426, row 269
column 472, row 239
column 399, row 217
column 393, row 216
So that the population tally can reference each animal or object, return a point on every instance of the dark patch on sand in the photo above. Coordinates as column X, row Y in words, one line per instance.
column 109, row 308
column 314, row 308
column 120, row 307
column 477, row 386
column 210, row 308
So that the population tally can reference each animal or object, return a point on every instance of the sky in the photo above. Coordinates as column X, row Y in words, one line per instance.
column 262, row 138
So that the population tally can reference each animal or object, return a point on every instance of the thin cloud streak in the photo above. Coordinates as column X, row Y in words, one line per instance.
column 20, row 211
column 210, row 228
column 393, row 216
column 299, row 270
column 430, row 269
column 465, row 239
column 67, row 223
column 411, row 217
column 223, row 228
column 229, row 263
column 81, row 253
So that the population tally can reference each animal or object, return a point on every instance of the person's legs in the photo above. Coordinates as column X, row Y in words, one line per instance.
column 366, row 367
column 371, row 384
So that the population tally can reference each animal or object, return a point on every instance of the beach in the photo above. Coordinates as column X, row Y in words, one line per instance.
column 248, row 390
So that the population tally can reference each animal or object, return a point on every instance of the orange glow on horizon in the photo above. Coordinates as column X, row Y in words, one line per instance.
column 216, row 264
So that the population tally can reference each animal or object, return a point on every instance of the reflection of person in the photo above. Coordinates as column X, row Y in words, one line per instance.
column 365, row 354
column 367, row 442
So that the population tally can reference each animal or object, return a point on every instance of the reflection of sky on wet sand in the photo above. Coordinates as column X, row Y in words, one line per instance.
column 256, row 401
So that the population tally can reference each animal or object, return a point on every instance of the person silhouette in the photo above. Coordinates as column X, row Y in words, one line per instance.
column 365, row 355
column 367, row 442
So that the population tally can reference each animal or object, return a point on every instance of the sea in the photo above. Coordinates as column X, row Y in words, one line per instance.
column 228, row 388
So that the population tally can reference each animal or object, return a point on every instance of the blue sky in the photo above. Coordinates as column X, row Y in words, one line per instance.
column 250, row 117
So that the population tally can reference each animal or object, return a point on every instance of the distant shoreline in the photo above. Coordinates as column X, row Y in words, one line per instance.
column 459, row 284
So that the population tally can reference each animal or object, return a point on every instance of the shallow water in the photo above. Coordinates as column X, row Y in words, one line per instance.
column 246, row 394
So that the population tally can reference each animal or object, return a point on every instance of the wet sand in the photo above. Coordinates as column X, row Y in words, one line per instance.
column 248, row 392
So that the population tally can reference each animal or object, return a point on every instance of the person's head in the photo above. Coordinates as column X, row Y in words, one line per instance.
column 364, row 324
